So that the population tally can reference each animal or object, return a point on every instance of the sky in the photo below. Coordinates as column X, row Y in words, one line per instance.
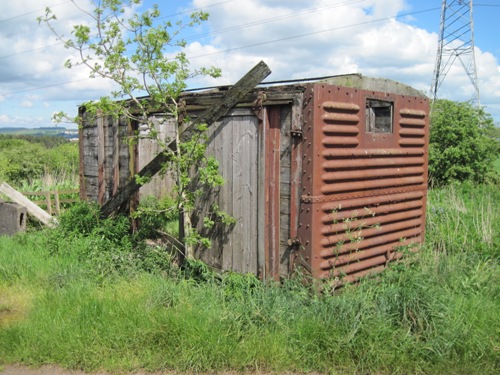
column 395, row 39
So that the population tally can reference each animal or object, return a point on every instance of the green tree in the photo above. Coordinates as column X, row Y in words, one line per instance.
column 21, row 160
column 144, row 55
column 461, row 146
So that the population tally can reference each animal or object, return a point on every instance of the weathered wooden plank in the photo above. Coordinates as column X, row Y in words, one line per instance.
column 245, row 138
column 223, row 152
column 31, row 207
column 101, row 187
column 124, row 159
column 233, row 95
column 285, row 188
column 148, row 148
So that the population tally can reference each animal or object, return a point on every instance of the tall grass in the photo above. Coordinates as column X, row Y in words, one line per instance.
column 435, row 312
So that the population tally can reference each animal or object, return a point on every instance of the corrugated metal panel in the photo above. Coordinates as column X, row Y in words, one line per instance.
column 364, row 190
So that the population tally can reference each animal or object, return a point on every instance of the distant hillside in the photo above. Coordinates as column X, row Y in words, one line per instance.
column 46, row 131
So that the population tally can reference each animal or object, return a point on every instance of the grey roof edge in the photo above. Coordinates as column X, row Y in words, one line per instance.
column 362, row 82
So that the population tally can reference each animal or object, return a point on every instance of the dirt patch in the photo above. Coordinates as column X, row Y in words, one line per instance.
column 14, row 304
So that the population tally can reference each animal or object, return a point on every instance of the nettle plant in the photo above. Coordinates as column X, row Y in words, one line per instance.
column 144, row 56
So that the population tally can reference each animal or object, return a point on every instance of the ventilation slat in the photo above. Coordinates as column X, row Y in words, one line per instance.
column 361, row 203
column 340, row 117
column 371, row 184
column 412, row 132
column 340, row 141
column 371, row 162
column 369, row 232
column 339, row 106
column 363, row 254
column 405, row 112
column 412, row 122
column 373, row 152
column 363, row 174
column 361, row 224
column 333, row 250
column 331, row 217
column 412, row 142
column 340, row 129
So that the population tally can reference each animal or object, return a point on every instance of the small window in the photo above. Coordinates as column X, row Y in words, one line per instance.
column 378, row 116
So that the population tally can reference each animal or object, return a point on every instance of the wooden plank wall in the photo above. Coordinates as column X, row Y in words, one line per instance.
column 285, row 173
column 105, row 156
column 233, row 141
column 148, row 148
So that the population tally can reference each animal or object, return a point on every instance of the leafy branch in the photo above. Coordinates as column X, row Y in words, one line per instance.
column 142, row 54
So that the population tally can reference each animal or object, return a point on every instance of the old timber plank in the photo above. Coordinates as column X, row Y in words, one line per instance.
column 219, row 109
column 31, row 207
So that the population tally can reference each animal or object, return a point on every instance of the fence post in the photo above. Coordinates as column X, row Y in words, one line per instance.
column 56, row 202
column 49, row 203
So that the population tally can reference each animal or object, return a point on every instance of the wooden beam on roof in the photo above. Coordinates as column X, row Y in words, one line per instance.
column 212, row 114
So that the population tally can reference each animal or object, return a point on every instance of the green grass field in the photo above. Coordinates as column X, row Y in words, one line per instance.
column 94, row 303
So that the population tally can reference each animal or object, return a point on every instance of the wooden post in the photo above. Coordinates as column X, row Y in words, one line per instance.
column 219, row 109
column 56, row 202
column 48, row 202
column 31, row 207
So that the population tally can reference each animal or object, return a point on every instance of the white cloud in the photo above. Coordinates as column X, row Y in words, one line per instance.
column 296, row 38
column 27, row 104
column 316, row 38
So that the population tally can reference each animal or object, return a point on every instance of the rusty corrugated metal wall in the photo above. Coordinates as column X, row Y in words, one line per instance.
column 364, row 179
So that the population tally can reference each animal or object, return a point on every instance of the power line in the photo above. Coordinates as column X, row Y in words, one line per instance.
column 58, row 21
column 268, row 20
column 33, row 11
column 264, row 43
column 312, row 33
column 46, row 87
column 31, row 50
column 199, row 36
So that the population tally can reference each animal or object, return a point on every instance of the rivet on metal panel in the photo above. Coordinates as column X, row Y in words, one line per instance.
column 294, row 241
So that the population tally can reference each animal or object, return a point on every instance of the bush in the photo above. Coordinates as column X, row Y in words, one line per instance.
column 23, row 161
column 462, row 146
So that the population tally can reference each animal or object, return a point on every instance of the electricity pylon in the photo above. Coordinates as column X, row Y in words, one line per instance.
column 456, row 42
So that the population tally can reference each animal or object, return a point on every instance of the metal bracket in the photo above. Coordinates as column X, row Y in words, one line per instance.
column 294, row 241
column 258, row 104
column 296, row 134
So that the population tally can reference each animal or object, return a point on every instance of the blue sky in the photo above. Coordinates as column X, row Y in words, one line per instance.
column 394, row 39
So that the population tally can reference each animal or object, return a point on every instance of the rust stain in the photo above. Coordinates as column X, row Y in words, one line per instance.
column 364, row 180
